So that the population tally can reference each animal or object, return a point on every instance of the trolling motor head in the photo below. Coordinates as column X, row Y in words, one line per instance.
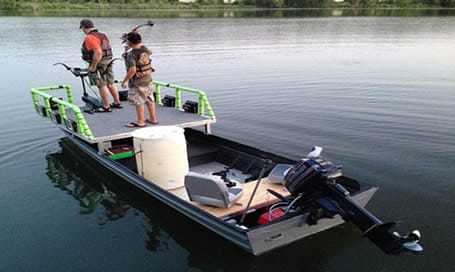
column 92, row 102
column 76, row 71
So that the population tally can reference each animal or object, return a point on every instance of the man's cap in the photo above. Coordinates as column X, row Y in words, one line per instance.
column 86, row 23
column 134, row 37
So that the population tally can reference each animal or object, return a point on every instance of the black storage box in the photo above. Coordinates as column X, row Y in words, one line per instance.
column 168, row 101
column 54, row 105
column 123, row 95
column 309, row 175
column 190, row 106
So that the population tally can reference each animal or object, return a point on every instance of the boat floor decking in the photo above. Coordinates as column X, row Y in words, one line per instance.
column 260, row 199
column 108, row 126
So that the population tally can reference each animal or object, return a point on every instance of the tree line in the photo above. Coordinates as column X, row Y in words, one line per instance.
column 56, row 4
column 351, row 3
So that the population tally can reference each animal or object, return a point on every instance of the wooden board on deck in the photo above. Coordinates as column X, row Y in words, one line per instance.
column 262, row 198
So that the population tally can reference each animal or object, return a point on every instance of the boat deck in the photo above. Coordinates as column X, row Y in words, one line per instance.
column 107, row 126
column 260, row 199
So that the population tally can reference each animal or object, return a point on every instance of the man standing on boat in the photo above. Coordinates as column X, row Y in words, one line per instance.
column 139, row 78
column 97, row 51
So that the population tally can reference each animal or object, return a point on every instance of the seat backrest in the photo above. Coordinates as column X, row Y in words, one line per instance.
column 207, row 189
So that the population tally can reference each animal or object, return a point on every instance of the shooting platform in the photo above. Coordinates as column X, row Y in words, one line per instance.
column 107, row 126
column 101, row 127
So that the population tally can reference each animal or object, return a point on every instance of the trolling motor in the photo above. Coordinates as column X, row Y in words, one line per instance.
column 92, row 103
column 316, row 177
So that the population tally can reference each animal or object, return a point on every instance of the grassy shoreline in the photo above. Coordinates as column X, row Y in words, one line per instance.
column 166, row 9
column 13, row 5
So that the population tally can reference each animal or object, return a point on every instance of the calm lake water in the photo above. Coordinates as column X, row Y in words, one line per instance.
column 378, row 93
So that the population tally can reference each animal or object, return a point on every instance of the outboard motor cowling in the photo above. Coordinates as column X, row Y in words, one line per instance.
column 310, row 174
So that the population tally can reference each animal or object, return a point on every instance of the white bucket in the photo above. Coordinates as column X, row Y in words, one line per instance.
column 161, row 155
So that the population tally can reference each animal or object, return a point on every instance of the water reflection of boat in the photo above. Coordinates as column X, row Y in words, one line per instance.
column 75, row 178
column 73, row 172
column 255, row 199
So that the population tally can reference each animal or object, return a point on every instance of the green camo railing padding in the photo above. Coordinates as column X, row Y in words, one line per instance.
column 79, row 125
column 203, row 101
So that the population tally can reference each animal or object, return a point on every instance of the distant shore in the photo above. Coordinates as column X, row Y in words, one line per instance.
column 165, row 9
column 47, row 5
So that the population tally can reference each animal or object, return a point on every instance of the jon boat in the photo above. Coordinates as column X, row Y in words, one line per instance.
column 257, row 200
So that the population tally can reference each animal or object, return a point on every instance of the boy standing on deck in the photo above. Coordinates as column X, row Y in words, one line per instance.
column 139, row 78
column 97, row 51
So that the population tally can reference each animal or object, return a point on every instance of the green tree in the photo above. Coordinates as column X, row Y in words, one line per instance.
column 8, row 4
column 448, row 3
column 356, row 3
column 404, row 3
column 278, row 3
column 369, row 3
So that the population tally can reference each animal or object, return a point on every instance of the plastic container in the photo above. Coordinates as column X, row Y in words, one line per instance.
column 119, row 152
column 161, row 155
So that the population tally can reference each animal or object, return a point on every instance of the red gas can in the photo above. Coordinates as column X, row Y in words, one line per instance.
column 267, row 217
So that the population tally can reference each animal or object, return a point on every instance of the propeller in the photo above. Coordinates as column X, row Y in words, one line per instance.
column 411, row 241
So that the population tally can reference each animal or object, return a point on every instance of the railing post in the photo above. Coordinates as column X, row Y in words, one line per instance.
column 201, row 105
column 35, row 100
column 47, row 105
column 158, row 93
column 61, row 109
column 69, row 94
column 178, row 98
column 208, row 107
column 82, row 124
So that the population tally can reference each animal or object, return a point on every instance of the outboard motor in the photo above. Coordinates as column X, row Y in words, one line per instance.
column 306, row 175
column 317, row 177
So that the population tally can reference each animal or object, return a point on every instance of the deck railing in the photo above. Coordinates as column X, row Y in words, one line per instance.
column 56, row 108
column 60, row 117
column 203, row 102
